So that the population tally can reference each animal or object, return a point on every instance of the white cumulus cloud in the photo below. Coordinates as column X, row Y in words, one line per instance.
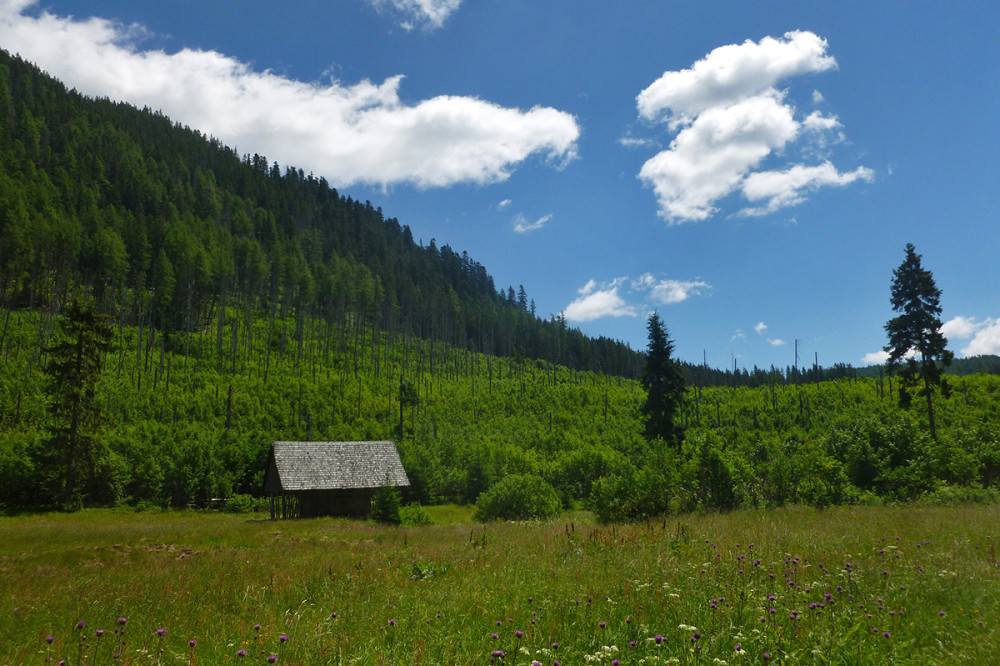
column 349, row 133
column 875, row 358
column 595, row 303
column 668, row 292
column 781, row 189
column 624, row 297
column 729, row 116
column 522, row 226
column 418, row 13
column 760, row 328
column 983, row 336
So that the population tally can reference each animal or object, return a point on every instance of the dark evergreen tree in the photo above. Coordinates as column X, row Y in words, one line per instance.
column 663, row 379
column 386, row 503
column 74, row 369
column 917, row 349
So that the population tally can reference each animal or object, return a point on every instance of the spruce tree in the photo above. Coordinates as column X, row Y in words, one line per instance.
column 74, row 368
column 917, row 349
column 663, row 380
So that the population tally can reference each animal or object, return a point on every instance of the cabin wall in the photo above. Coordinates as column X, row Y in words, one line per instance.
column 354, row 502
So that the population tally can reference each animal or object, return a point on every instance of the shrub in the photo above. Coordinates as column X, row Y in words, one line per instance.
column 414, row 515
column 245, row 504
column 518, row 497
column 385, row 504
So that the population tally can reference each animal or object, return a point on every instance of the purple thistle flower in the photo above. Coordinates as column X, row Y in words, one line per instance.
column 272, row 659
column 494, row 635
column 392, row 623
column 50, row 639
column 284, row 637
column 192, row 643
column 256, row 627
column 80, row 624
column 161, row 632
column 658, row 638
column 333, row 615
column 519, row 633
column 615, row 662
column 555, row 645
column 122, row 621
column 886, row 634
column 602, row 624
column 99, row 633
column 766, row 656
column 941, row 613
column 241, row 653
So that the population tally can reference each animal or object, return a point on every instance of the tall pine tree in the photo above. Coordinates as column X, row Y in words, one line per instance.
column 917, row 349
column 663, row 380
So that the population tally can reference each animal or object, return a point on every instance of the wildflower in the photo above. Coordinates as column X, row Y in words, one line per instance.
column 658, row 638
column 886, row 634
column 122, row 621
column 80, row 624
column 192, row 643
column 284, row 637
column 272, row 659
column 766, row 656
column 161, row 632
column 99, row 633
column 392, row 623
column 333, row 615
column 256, row 627
column 941, row 613
column 241, row 653
column 602, row 624
column 519, row 633
column 495, row 635
column 50, row 639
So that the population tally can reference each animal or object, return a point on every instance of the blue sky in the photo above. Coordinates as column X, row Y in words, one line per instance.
column 751, row 170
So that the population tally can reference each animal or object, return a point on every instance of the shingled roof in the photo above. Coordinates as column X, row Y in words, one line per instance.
column 335, row 465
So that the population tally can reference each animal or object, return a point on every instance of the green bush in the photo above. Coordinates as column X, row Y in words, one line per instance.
column 414, row 515
column 518, row 497
column 632, row 495
column 245, row 504
column 385, row 505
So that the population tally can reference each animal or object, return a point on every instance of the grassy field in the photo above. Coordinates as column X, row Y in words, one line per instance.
column 914, row 585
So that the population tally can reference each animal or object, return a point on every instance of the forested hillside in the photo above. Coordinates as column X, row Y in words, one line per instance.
column 173, row 230
column 248, row 304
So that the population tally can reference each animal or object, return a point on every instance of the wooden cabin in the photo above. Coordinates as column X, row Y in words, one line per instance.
column 308, row 479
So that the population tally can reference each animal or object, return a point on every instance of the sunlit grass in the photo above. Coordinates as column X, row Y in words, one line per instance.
column 921, row 587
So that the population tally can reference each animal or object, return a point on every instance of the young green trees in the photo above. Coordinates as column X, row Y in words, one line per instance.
column 663, row 380
column 917, row 349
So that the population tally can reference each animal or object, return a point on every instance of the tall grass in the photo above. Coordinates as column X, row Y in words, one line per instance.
column 847, row 586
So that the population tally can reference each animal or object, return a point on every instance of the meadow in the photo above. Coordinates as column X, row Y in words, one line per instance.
column 844, row 585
